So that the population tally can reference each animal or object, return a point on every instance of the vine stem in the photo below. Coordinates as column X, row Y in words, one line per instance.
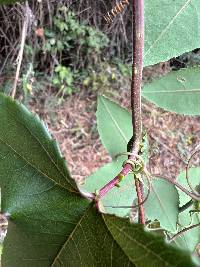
column 137, row 67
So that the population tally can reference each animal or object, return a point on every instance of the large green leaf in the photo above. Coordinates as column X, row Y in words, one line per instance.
column 144, row 249
column 36, row 189
column 171, row 29
column 162, row 204
column 25, row 137
column 114, row 126
column 178, row 91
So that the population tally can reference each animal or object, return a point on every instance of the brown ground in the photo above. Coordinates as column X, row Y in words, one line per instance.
column 172, row 137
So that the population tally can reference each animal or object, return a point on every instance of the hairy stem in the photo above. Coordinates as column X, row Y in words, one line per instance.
column 138, row 46
column 137, row 67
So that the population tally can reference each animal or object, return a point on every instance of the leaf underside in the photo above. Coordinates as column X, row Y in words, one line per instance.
column 172, row 33
column 178, row 91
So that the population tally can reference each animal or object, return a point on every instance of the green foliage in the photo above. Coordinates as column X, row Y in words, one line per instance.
column 118, row 196
column 69, row 35
column 63, row 79
column 76, row 46
column 177, row 91
column 172, row 33
column 143, row 250
column 22, row 132
column 113, row 120
column 49, row 223
column 27, row 81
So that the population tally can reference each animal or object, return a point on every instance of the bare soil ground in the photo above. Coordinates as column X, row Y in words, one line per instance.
column 173, row 138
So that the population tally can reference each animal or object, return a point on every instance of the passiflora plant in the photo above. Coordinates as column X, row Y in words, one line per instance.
column 52, row 221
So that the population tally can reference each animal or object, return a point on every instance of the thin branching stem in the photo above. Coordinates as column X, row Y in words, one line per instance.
column 183, row 231
column 137, row 67
column 183, row 189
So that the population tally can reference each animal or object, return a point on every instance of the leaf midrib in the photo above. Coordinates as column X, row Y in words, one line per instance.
column 172, row 91
column 33, row 166
column 70, row 236
column 167, row 27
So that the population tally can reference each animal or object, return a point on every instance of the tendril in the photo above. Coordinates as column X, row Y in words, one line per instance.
column 187, row 172
column 183, row 231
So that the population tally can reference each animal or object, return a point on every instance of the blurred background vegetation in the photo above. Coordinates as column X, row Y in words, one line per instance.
column 68, row 46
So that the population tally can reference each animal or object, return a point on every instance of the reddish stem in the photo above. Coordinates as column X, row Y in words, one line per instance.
column 125, row 171
column 139, row 188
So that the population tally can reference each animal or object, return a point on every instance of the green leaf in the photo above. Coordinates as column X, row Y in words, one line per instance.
column 49, row 223
column 36, row 189
column 123, row 195
column 91, row 244
column 25, row 140
column 114, row 126
column 143, row 248
column 163, row 204
column 41, row 220
column 172, row 33
column 191, row 238
column 178, row 91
